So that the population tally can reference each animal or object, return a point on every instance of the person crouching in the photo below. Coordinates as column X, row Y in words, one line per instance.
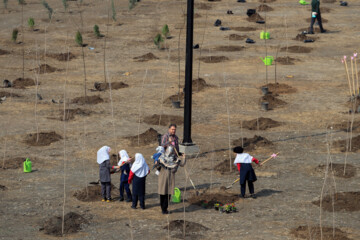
column 103, row 159
column 138, row 172
column 243, row 162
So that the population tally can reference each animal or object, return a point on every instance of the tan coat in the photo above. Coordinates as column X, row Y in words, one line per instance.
column 166, row 180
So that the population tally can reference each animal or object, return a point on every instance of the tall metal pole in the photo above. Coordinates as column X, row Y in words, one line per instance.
column 188, row 73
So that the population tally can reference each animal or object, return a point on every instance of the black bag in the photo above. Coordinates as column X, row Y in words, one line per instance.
column 250, row 12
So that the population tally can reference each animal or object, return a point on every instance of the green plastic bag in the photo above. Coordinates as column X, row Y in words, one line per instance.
column 27, row 165
column 176, row 198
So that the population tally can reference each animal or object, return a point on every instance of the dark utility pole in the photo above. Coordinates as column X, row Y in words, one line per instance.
column 188, row 73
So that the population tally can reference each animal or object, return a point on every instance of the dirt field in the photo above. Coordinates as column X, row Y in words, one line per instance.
column 313, row 154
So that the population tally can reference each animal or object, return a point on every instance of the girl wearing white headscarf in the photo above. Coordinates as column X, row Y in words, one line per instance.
column 125, row 165
column 138, row 173
column 103, row 159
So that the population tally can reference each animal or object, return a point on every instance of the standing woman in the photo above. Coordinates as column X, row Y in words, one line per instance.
column 315, row 14
column 138, row 173
column 103, row 159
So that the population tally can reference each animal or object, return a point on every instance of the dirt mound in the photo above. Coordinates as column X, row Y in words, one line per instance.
column 355, row 144
column 213, row 59
column 235, row 37
column 229, row 48
column 148, row 137
column 199, row 85
column 255, row 17
column 44, row 68
column 61, row 56
column 146, row 57
column 279, row 88
column 23, row 83
column 264, row 8
column 343, row 201
column 3, row 52
column 243, row 29
column 71, row 113
column 296, row 49
column 338, row 170
column 261, row 124
column 353, row 105
column 345, row 126
column 301, row 37
column 7, row 94
column 174, row 98
column 202, row 6
column 3, row 188
column 13, row 163
column 224, row 168
column 311, row 232
column 273, row 101
column 73, row 223
column 316, row 30
column 88, row 100
column 165, row 120
column 325, row 10
column 212, row 198
column 178, row 225
column 93, row 193
column 114, row 86
column 45, row 138
column 267, row 1
column 253, row 143
column 286, row 60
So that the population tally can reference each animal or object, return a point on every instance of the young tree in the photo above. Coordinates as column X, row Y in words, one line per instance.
column 158, row 40
column 5, row 3
column 50, row 10
column 113, row 11
column 97, row 31
column 65, row 4
column 165, row 31
column 78, row 39
column 31, row 23
column 14, row 35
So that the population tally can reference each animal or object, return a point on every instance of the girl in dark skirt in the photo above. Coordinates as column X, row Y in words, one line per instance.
column 125, row 165
column 103, row 159
column 138, row 173
column 243, row 162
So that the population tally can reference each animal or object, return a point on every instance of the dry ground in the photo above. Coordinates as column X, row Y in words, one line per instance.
column 286, row 186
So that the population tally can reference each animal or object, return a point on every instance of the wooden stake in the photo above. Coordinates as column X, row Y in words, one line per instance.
column 347, row 74
column 268, row 159
column 352, row 74
column 356, row 74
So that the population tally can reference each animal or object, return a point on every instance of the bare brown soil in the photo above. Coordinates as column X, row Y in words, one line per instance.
column 311, row 232
column 199, row 85
column 338, row 170
column 264, row 8
column 355, row 144
column 62, row 56
column 71, row 113
column 23, row 83
column 280, row 88
column 302, row 37
column 114, row 86
column 328, row 1
column 267, row 1
column 150, row 136
column 196, row 15
column 3, row 188
column 345, row 126
column 89, row 100
column 244, row 29
column 255, row 17
column 146, row 57
column 93, row 193
column 7, row 94
column 4, row 52
column 236, row 37
column 202, row 6
column 44, row 68
column 224, row 168
column 13, row 163
column 316, row 29
column 45, row 138
column 343, row 201
column 213, row 59
column 229, row 48
column 273, row 101
column 163, row 120
column 286, row 60
column 261, row 124
column 254, row 143
column 212, row 198
column 325, row 10
column 178, row 225
column 308, row 20
column 73, row 223
column 353, row 104
column 296, row 49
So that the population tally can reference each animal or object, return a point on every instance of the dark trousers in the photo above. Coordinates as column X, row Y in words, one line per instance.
column 164, row 202
column 135, row 199
column 106, row 190
column 243, row 188
column 125, row 185
column 318, row 18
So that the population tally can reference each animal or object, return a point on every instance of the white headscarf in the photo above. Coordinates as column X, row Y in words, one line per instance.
column 103, row 154
column 123, row 157
column 243, row 158
column 160, row 149
column 140, row 168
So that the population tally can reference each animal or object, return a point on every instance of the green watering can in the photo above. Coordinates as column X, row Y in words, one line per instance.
column 303, row 2
column 268, row 60
column 27, row 165
column 176, row 198
column 264, row 35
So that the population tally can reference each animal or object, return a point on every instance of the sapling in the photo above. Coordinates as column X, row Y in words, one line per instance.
column 65, row 4
column 78, row 39
column 31, row 23
column 50, row 10
column 14, row 35
column 97, row 31
column 165, row 31
column 113, row 11
column 5, row 3
column 158, row 40
column 132, row 4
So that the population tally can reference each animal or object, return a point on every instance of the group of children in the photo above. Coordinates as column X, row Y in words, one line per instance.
column 132, row 171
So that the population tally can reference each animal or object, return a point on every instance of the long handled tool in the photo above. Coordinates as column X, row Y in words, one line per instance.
column 233, row 183
column 274, row 155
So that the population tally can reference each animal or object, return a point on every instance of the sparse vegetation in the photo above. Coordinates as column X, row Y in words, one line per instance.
column 132, row 4
column 158, row 40
column 31, row 23
column 50, row 10
column 5, row 3
column 14, row 35
column 65, row 4
column 113, row 11
column 21, row 2
column 78, row 39
column 165, row 31
column 97, row 31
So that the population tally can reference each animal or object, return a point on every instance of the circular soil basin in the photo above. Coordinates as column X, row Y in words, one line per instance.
column 338, row 170
column 4, row 52
column 273, row 101
column 44, row 139
column 212, row 198
column 150, row 136
column 202, row 6
column 44, row 68
column 93, row 193
column 236, row 37
column 71, row 113
column 114, row 86
column 265, row 8
column 286, row 60
column 61, row 56
column 163, row 120
column 260, row 124
column 146, row 57
column 296, row 49
column 23, row 83
column 190, row 227
column 280, row 88
column 12, row 163
column 254, row 143
column 255, row 17
column 88, row 100
column 72, row 224
column 343, row 201
column 314, row 232
column 343, row 144
column 213, row 59
column 7, row 94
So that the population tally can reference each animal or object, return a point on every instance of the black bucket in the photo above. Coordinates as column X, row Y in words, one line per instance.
column 250, row 12
column 176, row 104
column 265, row 90
column 265, row 106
